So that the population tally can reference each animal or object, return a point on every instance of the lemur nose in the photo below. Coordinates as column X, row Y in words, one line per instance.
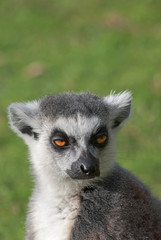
column 88, row 170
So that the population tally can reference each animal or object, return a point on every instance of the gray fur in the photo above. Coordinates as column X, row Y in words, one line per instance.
column 69, row 104
column 118, row 207
column 80, row 192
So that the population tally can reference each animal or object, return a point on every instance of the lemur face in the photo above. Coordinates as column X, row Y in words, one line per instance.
column 76, row 145
column 71, row 135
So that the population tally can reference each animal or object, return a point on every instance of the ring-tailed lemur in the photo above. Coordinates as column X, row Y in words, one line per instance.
column 80, row 192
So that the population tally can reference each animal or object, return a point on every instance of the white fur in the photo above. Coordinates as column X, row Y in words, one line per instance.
column 22, row 111
column 121, row 99
column 48, row 221
column 116, row 104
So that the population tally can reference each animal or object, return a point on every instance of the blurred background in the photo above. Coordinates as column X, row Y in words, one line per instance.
column 47, row 47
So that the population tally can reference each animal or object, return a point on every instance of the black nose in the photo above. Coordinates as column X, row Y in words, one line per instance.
column 86, row 167
column 88, row 170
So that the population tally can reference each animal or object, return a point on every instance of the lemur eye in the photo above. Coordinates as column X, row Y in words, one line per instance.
column 101, row 139
column 59, row 139
column 60, row 143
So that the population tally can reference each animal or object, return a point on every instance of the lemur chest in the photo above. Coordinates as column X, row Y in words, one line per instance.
column 55, row 221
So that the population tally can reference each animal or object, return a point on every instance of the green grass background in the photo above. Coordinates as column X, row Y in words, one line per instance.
column 89, row 45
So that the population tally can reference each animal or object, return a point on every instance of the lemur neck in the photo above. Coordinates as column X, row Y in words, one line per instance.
column 60, row 188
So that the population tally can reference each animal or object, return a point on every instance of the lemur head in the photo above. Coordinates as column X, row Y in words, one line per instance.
column 71, row 136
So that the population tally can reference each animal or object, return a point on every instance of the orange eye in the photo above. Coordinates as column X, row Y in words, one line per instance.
column 101, row 139
column 60, row 143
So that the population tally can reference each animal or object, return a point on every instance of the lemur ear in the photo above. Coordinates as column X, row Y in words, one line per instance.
column 24, row 118
column 119, row 106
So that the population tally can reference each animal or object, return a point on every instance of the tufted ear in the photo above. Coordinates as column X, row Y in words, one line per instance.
column 24, row 119
column 119, row 106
